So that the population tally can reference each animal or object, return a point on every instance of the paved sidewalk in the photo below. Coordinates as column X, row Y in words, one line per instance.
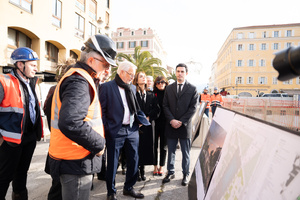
column 39, row 182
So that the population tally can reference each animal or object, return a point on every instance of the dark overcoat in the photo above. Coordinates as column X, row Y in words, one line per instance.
column 146, row 143
column 180, row 107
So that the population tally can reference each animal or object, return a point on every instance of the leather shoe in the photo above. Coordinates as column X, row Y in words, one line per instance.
column 185, row 180
column 168, row 178
column 112, row 197
column 143, row 177
column 133, row 194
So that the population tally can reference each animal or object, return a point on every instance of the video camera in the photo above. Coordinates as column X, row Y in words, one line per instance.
column 287, row 63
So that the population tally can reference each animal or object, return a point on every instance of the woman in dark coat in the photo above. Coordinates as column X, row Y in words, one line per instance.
column 149, row 105
column 160, row 85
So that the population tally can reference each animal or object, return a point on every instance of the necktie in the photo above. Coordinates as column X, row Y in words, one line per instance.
column 179, row 90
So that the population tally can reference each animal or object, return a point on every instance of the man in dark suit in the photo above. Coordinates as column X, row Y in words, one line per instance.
column 119, row 111
column 179, row 105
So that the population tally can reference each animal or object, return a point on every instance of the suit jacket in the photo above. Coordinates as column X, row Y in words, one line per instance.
column 180, row 107
column 112, row 109
column 152, row 108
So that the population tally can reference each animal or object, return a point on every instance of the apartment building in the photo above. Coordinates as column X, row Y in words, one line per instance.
column 55, row 29
column 244, row 63
column 127, row 39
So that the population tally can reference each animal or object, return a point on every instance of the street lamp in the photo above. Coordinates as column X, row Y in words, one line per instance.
column 236, row 87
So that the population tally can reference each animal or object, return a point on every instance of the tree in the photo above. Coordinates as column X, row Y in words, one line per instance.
column 144, row 61
column 172, row 76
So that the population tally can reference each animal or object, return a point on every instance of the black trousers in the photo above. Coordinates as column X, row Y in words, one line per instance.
column 14, row 165
column 160, row 134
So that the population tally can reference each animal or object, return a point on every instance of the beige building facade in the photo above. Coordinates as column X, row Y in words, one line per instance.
column 244, row 63
column 127, row 39
column 55, row 29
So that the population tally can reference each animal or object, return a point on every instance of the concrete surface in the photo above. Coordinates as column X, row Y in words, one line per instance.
column 38, row 182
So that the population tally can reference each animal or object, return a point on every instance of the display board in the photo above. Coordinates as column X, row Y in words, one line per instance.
column 258, row 160
column 210, row 152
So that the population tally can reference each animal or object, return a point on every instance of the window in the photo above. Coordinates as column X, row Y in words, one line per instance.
column 251, row 47
column 240, row 35
column 249, row 80
column 144, row 43
column 240, row 63
column 93, row 9
column 79, row 26
column 132, row 32
column 240, row 47
column 51, row 52
column 107, row 18
column 298, row 80
column 239, row 80
column 263, row 46
column 274, row 81
column 288, row 44
column 288, row 33
column 108, row 3
column 120, row 45
column 73, row 55
column 251, row 63
column 92, row 29
column 120, row 34
column 262, row 63
column 251, row 35
column 132, row 44
column 264, row 34
column 24, row 4
column 145, row 32
column 80, row 4
column 289, row 82
column 275, row 33
column 275, row 46
column 17, row 39
column 262, row 80
column 56, row 13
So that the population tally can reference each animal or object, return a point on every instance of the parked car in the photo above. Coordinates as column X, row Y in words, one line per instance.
column 275, row 95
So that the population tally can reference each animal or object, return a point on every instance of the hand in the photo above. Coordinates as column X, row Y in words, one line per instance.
column 175, row 123
column 101, row 152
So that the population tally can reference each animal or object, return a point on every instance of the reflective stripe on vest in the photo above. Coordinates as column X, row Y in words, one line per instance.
column 216, row 100
column 11, row 110
column 205, row 98
column 62, row 147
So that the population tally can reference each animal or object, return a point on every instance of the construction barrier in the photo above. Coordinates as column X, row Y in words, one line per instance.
column 281, row 112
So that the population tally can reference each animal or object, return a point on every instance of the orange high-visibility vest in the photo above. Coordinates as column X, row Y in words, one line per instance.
column 205, row 98
column 62, row 147
column 216, row 100
column 11, row 110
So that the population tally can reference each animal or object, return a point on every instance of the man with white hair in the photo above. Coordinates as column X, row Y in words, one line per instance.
column 150, row 83
column 119, row 115
column 77, row 133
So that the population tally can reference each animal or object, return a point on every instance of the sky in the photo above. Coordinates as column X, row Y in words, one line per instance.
column 196, row 29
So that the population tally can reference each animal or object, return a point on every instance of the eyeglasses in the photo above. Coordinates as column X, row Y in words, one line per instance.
column 105, row 65
column 130, row 74
column 160, row 82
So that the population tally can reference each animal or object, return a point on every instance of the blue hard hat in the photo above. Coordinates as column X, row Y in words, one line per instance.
column 23, row 54
column 215, row 88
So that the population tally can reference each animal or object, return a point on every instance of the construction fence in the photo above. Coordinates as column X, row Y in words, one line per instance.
column 280, row 112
